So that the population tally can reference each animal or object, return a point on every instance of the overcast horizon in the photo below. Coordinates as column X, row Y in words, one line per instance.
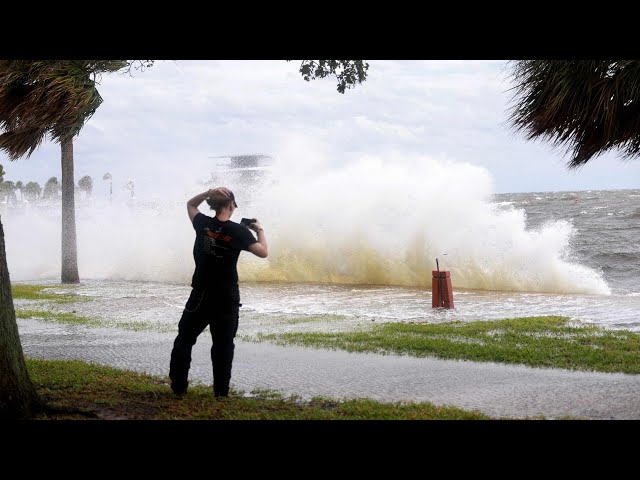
column 161, row 127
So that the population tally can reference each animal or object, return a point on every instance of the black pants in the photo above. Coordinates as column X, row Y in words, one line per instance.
column 220, row 312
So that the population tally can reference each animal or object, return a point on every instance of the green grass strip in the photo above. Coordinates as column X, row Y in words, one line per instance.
column 38, row 292
column 80, row 390
column 94, row 322
column 59, row 317
column 535, row 341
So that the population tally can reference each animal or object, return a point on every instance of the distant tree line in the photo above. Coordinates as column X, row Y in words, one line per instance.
column 32, row 191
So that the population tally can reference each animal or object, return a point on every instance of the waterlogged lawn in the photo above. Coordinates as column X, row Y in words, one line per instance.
column 94, row 322
column 535, row 341
column 79, row 390
column 549, row 341
column 47, row 297
column 43, row 292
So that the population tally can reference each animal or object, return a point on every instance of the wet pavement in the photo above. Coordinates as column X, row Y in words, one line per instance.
column 495, row 389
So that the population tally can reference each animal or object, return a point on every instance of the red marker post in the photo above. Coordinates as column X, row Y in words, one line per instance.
column 441, row 290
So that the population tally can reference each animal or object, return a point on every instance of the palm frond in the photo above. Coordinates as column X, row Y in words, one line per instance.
column 586, row 106
column 23, row 142
column 40, row 98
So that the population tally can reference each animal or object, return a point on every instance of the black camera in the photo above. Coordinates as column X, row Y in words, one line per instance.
column 247, row 221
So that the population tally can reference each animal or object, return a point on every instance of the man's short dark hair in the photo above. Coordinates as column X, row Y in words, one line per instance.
column 218, row 202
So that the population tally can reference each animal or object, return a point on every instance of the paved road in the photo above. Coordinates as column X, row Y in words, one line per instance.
column 495, row 389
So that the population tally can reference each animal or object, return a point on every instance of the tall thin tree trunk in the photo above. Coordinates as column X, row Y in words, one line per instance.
column 18, row 398
column 69, row 245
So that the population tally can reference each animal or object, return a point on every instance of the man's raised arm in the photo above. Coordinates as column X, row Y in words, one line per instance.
column 192, row 205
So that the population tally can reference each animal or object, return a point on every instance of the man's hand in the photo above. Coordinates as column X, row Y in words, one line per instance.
column 192, row 205
column 255, row 226
column 219, row 192
column 259, row 248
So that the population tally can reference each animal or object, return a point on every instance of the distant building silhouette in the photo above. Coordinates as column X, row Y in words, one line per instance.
column 242, row 173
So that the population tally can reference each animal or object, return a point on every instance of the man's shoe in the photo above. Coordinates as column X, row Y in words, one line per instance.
column 179, row 390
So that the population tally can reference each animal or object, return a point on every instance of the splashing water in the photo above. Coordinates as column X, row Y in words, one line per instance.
column 374, row 220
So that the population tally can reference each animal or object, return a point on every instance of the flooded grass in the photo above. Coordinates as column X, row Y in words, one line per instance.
column 79, row 390
column 293, row 320
column 550, row 341
column 43, row 292
column 74, row 319
column 59, row 317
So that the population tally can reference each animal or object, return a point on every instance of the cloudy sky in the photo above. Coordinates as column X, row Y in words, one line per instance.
column 161, row 127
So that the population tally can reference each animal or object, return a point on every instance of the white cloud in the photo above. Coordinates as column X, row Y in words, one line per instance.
column 165, row 123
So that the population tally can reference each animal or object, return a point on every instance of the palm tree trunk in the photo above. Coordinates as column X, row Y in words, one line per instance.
column 18, row 398
column 69, row 245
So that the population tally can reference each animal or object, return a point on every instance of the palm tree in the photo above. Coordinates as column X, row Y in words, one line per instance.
column 19, row 187
column 51, row 189
column 55, row 98
column 32, row 191
column 8, row 189
column 107, row 176
column 85, row 184
column 589, row 106
column 18, row 397
column 2, row 173
column 39, row 99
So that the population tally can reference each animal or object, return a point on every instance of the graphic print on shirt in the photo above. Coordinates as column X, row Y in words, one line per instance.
column 211, row 239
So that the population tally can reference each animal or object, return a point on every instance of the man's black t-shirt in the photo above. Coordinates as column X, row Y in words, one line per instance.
column 216, row 250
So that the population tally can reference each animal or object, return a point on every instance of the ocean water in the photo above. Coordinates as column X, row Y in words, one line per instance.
column 607, row 229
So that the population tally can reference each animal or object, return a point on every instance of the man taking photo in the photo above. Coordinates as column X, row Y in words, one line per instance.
column 215, row 296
